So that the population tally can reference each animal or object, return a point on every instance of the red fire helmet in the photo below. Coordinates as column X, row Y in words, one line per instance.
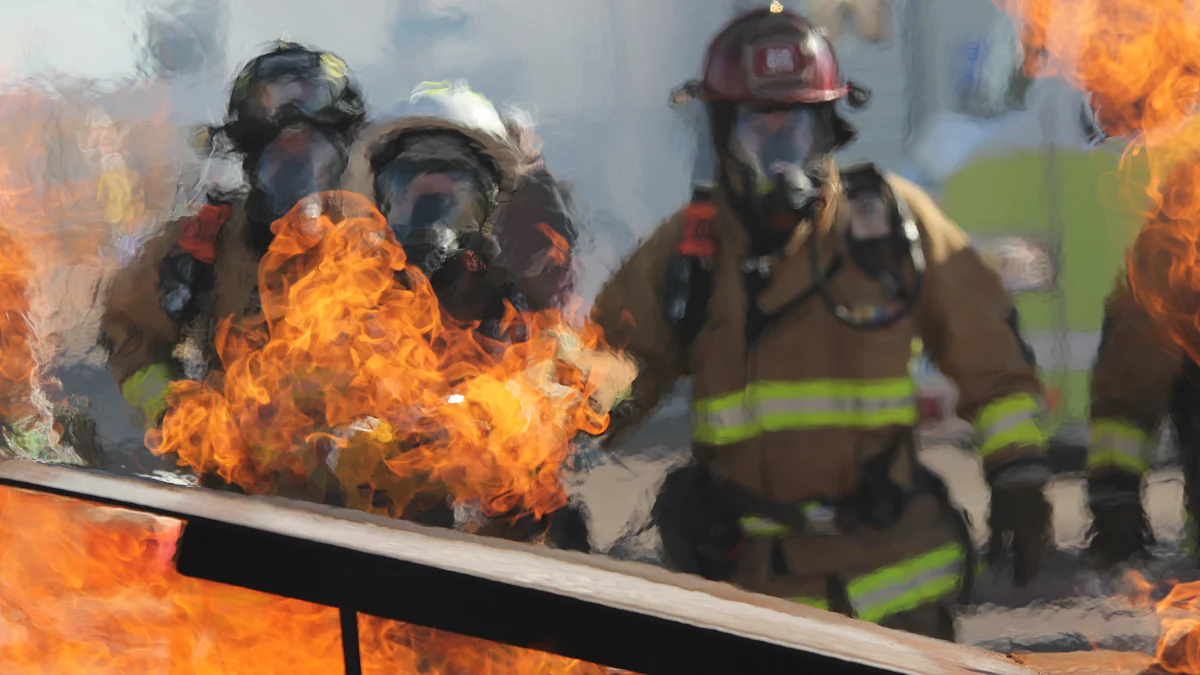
column 771, row 56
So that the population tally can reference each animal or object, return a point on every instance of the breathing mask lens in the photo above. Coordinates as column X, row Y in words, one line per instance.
column 300, row 161
column 773, row 143
column 273, row 100
column 429, row 209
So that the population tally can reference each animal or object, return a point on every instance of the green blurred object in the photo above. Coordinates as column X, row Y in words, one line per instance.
column 1077, row 202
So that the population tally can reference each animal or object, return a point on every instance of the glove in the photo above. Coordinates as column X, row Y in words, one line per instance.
column 1019, row 517
column 1120, row 530
column 700, row 534
column 146, row 392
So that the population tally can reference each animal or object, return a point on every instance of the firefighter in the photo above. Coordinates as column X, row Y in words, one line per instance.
column 292, row 115
column 444, row 172
column 537, row 230
column 1140, row 376
column 791, row 293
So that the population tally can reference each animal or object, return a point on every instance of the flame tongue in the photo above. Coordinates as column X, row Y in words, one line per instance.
column 351, row 333
column 18, row 364
column 1140, row 63
column 86, row 589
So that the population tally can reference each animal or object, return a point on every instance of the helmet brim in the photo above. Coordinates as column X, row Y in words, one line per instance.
column 375, row 139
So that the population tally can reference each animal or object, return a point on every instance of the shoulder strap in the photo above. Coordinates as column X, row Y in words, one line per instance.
column 199, row 233
column 689, row 273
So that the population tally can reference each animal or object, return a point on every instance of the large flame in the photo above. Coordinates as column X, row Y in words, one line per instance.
column 351, row 366
column 92, row 590
column 18, row 362
column 60, row 218
column 1140, row 63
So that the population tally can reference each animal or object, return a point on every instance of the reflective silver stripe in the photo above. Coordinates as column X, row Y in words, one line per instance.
column 831, row 405
column 923, row 587
column 736, row 416
column 1110, row 442
column 1010, row 422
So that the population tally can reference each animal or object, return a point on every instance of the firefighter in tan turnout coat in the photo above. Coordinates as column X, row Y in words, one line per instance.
column 792, row 293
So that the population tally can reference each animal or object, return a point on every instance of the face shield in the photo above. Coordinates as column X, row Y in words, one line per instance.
column 429, row 209
column 302, row 98
column 301, row 161
column 782, row 152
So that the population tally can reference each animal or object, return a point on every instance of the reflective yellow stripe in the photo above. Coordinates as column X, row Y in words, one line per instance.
column 146, row 391
column 818, row 603
column 908, row 584
column 808, row 404
column 1117, row 444
column 763, row 528
column 445, row 87
column 1009, row 421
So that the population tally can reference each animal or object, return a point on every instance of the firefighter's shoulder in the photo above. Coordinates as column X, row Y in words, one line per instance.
column 941, row 234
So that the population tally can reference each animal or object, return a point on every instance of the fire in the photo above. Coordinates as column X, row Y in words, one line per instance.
column 1178, row 648
column 18, row 363
column 390, row 647
column 92, row 589
column 351, row 367
column 1139, row 63
column 59, row 220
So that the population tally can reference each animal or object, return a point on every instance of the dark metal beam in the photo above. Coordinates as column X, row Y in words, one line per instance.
column 623, row 615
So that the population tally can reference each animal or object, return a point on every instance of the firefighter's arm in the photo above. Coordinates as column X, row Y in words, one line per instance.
column 139, row 334
column 969, row 325
column 629, row 310
column 1131, row 383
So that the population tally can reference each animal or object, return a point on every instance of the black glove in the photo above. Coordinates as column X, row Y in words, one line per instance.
column 1020, row 516
column 700, row 533
column 1120, row 530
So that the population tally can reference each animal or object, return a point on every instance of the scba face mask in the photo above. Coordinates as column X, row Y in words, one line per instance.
column 782, row 151
column 302, row 160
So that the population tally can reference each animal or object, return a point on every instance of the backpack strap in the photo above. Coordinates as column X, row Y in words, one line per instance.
column 689, row 272
column 186, row 272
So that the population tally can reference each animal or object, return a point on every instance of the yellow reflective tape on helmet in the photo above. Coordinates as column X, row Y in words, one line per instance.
column 1013, row 420
column 908, row 584
column 146, row 391
column 1117, row 444
column 447, row 87
column 334, row 67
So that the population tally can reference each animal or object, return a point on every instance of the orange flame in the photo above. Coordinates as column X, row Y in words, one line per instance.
column 1140, row 62
column 1178, row 648
column 18, row 363
column 92, row 589
column 351, row 362
column 58, row 217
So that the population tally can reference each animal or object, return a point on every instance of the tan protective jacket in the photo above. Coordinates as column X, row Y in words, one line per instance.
column 793, row 417
column 146, row 344
column 1131, row 383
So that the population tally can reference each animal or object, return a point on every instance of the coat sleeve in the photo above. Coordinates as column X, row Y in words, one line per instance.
column 1131, row 383
column 629, row 310
column 139, row 334
column 968, row 323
